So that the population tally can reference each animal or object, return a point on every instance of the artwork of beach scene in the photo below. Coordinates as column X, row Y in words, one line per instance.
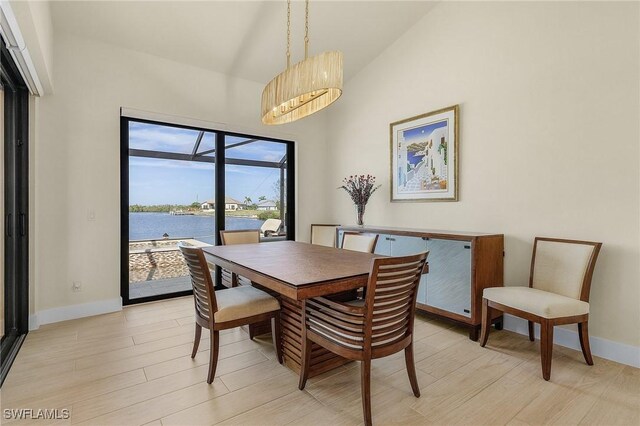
column 422, row 158
column 423, row 161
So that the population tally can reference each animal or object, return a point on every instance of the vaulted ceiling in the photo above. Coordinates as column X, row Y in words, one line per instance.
column 246, row 39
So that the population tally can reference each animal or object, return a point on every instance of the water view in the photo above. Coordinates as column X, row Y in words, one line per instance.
column 152, row 226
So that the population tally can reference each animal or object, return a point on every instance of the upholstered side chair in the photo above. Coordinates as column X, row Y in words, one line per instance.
column 242, row 236
column 323, row 235
column 558, row 293
column 224, row 309
column 358, row 241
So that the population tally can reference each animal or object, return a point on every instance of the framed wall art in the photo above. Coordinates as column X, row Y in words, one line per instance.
column 424, row 157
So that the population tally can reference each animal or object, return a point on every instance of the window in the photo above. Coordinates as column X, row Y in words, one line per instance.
column 182, row 183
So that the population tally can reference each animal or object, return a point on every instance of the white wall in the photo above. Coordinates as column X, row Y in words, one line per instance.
column 549, row 138
column 550, row 106
column 77, row 156
column 36, row 26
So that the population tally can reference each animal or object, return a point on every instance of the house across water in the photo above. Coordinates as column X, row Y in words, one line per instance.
column 230, row 204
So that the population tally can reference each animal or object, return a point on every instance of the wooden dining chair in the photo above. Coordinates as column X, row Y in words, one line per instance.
column 376, row 327
column 558, row 293
column 224, row 309
column 241, row 236
column 359, row 241
column 323, row 235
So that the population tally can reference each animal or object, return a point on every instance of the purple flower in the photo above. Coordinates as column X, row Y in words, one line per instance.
column 360, row 188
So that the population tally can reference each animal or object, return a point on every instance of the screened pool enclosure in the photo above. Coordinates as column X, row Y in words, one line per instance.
column 183, row 183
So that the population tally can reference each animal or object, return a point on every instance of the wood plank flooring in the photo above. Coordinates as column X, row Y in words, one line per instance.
column 134, row 368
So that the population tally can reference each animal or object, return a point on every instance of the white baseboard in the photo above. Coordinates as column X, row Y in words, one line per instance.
column 33, row 322
column 65, row 313
column 614, row 351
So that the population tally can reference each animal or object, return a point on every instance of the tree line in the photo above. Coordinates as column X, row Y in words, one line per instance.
column 162, row 208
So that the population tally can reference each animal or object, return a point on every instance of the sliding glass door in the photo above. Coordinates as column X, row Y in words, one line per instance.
column 14, row 184
column 255, row 187
column 166, row 200
column 183, row 183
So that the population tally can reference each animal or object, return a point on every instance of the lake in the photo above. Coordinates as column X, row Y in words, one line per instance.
column 143, row 226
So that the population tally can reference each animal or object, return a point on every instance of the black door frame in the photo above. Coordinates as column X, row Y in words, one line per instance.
column 220, row 191
column 16, row 210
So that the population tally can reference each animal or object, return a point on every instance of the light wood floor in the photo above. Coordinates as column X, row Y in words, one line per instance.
column 133, row 367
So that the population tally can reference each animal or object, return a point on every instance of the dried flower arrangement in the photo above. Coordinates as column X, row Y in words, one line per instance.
column 360, row 188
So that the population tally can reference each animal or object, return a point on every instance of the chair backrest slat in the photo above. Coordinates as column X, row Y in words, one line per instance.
column 340, row 326
column 563, row 267
column 391, row 298
column 390, row 317
column 396, row 303
column 352, row 319
column 348, row 338
column 201, row 281
column 386, row 295
column 387, row 339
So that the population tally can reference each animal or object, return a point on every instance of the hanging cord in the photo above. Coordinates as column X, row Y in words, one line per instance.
column 306, row 30
column 288, row 33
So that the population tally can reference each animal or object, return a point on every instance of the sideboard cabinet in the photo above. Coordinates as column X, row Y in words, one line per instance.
column 461, row 266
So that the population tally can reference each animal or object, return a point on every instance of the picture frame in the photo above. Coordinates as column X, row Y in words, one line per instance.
column 424, row 157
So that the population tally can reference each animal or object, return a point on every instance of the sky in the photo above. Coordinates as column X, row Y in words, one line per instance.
column 159, row 181
column 418, row 132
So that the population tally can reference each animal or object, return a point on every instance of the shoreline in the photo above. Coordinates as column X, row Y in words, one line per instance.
column 212, row 214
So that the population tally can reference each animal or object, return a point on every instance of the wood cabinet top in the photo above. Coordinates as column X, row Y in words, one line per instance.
column 415, row 232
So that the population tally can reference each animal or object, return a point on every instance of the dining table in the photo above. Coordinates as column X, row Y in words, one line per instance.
column 294, row 271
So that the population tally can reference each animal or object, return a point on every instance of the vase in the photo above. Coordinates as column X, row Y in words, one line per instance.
column 360, row 214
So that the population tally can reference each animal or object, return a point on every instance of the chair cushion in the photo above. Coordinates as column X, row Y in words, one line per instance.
column 243, row 302
column 537, row 302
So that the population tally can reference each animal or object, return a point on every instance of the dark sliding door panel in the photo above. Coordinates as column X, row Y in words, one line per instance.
column 14, row 313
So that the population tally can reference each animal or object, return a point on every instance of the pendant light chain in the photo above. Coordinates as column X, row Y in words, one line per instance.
column 288, row 33
column 306, row 30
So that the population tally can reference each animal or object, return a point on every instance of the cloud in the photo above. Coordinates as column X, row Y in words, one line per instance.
column 173, row 164
column 155, row 137
column 161, row 138
column 261, row 150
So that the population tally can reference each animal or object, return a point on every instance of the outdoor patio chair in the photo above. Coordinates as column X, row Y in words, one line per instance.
column 270, row 227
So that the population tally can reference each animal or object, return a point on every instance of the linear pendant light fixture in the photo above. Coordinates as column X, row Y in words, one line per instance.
column 305, row 87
